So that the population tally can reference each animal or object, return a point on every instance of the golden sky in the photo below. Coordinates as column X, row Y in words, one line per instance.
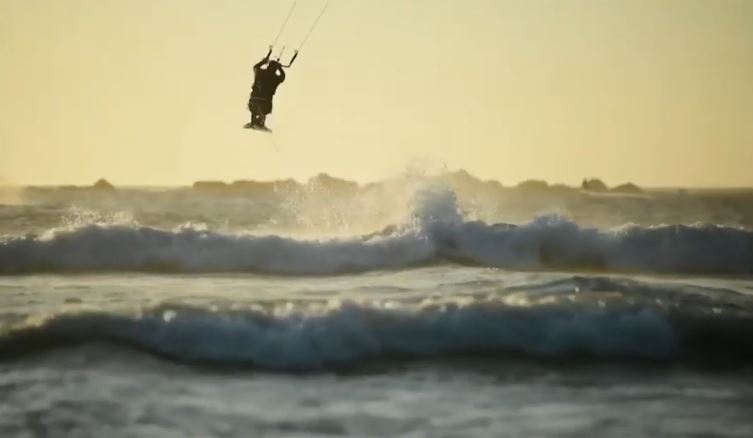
column 659, row 92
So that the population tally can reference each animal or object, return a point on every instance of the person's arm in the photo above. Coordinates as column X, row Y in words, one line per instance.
column 264, row 60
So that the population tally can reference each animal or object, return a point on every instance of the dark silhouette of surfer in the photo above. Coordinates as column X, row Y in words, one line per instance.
column 268, row 75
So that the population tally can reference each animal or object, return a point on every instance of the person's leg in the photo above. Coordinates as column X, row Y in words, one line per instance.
column 251, row 108
column 265, row 108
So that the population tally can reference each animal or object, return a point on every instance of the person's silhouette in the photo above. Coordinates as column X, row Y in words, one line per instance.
column 268, row 75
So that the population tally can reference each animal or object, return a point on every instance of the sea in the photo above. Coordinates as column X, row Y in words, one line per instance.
column 419, row 306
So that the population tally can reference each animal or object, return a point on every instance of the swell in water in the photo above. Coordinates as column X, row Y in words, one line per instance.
column 595, row 319
column 437, row 233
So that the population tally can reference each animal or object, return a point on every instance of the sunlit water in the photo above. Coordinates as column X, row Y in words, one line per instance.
column 414, row 310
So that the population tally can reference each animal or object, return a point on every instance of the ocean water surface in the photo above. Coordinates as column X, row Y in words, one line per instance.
column 437, row 307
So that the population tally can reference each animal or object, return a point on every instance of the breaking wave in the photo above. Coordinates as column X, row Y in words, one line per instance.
column 437, row 233
column 289, row 336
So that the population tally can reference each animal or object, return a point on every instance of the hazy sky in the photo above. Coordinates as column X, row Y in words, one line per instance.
column 659, row 92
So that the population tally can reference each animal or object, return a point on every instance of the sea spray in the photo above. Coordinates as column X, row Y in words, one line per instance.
column 436, row 233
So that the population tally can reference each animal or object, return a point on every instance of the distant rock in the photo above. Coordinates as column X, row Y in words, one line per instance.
column 593, row 185
column 462, row 182
column 465, row 184
column 326, row 182
column 246, row 187
column 104, row 185
column 533, row 184
column 561, row 187
column 627, row 188
column 492, row 184
column 286, row 185
column 209, row 186
column 252, row 187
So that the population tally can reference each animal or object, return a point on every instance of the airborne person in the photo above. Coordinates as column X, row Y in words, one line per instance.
column 268, row 75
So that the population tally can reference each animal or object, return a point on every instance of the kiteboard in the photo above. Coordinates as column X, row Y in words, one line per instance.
column 257, row 127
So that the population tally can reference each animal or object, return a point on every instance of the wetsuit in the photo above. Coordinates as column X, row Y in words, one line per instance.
column 268, row 75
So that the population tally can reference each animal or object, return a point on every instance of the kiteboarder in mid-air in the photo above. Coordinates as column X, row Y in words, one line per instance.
column 268, row 75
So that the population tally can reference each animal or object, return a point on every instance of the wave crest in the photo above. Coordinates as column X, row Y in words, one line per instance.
column 287, row 337
column 437, row 233
column 349, row 333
